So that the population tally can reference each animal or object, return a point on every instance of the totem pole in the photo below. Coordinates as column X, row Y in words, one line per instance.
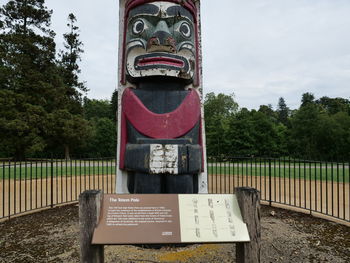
column 161, row 145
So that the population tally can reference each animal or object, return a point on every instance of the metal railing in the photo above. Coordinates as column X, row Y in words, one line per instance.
column 317, row 187
column 38, row 184
column 314, row 186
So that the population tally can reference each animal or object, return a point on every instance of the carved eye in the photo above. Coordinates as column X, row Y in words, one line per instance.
column 138, row 27
column 185, row 29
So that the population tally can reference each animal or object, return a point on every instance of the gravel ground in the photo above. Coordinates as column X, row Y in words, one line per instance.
column 52, row 236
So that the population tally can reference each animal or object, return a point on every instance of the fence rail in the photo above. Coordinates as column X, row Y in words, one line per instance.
column 32, row 185
column 321, row 187
column 317, row 187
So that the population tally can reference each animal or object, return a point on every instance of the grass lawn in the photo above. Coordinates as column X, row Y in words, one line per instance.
column 37, row 172
column 291, row 170
column 307, row 171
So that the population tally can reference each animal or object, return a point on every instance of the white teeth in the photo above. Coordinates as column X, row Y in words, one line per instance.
column 187, row 46
column 134, row 43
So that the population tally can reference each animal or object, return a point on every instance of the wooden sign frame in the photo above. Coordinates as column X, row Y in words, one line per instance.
column 90, row 204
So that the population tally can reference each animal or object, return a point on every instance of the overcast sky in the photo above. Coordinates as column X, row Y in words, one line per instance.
column 259, row 50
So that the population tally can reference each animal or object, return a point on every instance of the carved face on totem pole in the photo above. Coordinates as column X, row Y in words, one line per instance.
column 161, row 146
column 160, row 41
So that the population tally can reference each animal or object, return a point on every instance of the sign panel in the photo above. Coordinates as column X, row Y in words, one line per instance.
column 211, row 218
column 170, row 218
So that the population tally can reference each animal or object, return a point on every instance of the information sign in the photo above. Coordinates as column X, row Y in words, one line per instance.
column 170, row 218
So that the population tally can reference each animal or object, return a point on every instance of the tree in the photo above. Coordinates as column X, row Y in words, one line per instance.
column 29, row 75
column 334, row 105
column 264, row 135
column 268, row 111
column 97, row 109
column 68, row 130
column 303, row 131
column 69, row 59
column 114, row 105
column 282, row 112
column 68, row 127
column 220, row 105
column 217, row 109
column 24, row 16
column 307, row 98
column 253, row 133
column 239, row 134
column 103, row 142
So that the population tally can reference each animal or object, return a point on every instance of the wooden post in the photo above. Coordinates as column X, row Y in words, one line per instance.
column 249, row 203
column 89, row 213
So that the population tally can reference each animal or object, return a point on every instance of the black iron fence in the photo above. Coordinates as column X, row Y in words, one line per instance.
column 317, row 187
column 38, row 184
column 314, row 186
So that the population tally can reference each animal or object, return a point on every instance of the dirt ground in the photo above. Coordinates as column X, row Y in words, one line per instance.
column 52, row 236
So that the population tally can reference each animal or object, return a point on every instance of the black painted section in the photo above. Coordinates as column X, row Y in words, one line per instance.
column 137, row 157
column 147, row 9
column 161, row 101
column 162, row 95
column 179, row 11
column 182, row 159
column 162, row 141
column 179, row 184
column 148, row 183
column 194, row 153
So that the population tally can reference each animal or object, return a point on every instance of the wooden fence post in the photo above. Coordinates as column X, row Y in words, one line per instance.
column 89, row 213
column 249, row 203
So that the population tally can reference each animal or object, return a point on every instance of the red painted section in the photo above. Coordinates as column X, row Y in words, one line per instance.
column 158, row 126
column 188, row 5
column 161, row 61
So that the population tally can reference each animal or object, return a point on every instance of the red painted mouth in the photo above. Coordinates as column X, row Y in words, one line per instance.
column 161, row 61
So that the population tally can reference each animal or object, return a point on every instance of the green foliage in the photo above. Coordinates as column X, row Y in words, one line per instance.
column 114, row 105
column 307, row 98
column 103, row 141
column 220, row 105
column 303, row 133
column 333, row 133
column 333, row 106
column 282, row 112
column 70, row 57
column 68, row 130
column 319, row 129
column 67, row 125
column 97, row 109
column 29, row 75
column 318, row 134
column 217, row 109
column 252, row 134
column 40, row 103
column 24, row 16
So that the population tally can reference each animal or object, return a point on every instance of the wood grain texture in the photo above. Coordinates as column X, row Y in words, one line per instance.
column 249, row 203
column 89, row 213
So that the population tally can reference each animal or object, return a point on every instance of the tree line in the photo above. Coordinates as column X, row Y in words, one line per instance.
column 42, row 105
column 44, row 109
column 319, row 129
